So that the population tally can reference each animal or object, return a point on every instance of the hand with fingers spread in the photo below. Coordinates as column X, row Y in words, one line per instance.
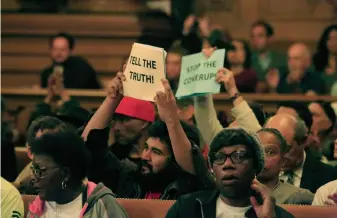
column 204, row 26
column 226, row 77
column 188, row 23
column 115, row 87
column 266, row 209
column 166, row 103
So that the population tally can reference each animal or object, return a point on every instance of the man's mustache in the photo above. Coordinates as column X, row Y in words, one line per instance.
column 146, row 164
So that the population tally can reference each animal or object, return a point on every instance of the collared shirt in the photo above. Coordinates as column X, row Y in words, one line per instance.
column 297, row 173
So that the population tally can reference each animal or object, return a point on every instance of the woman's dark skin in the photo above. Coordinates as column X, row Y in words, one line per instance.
column 48, row 177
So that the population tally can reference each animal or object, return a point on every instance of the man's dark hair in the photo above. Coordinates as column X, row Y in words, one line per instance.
column 159, row 130
column 279, row 137
column 44, row 123
column 67, row 36
column 269, row 29
column 302, row 110
column 67, row 149
column 260, row 114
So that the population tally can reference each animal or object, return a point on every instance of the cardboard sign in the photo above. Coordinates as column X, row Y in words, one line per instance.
column 197, row 75
column 144, row 71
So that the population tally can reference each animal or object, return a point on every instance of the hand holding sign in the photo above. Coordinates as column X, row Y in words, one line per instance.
column 115, row 87
column 166, row 102
column 226, row 77
column 144, row 70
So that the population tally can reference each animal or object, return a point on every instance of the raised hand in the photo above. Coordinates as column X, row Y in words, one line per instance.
column 273, row 78
column 166, row 103
column 115, row 87
column 266, row 209
column 188, row 23
column 226, row 77
column 204, row 26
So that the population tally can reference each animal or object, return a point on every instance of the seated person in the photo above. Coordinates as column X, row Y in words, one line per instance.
column 298, row 78
column 325, row 58
column 60, row 167
column 58, row 103
column 326, row 195
column 38, row 128
column 173, row 64
column 11, row 201
column 239, row 62
column 263, row 57
column 171, row 163
column 235, row 158
column 275, row 147
column 76, row 72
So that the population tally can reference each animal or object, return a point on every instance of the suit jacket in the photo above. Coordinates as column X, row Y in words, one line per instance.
column 316, row 174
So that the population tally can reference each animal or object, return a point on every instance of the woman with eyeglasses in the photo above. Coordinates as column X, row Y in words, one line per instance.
column 275, row 147
column 60, row 165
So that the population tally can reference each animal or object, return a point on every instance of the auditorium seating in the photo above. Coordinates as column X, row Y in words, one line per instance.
column 158, row 208
column 105, row 40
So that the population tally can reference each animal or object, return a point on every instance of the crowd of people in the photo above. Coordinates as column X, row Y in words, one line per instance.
column 243, row 164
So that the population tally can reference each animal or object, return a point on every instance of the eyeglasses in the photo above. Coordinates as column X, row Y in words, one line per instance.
column 40, row 173
column 236, row 157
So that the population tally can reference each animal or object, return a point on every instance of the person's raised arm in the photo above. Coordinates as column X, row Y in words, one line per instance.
column 181, row 146
column 103, row 115
column 241, row 111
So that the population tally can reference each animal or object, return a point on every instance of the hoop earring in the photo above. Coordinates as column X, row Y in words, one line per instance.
column 64, row 184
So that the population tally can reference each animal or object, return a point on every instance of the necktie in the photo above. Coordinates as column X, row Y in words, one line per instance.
column 291, row 176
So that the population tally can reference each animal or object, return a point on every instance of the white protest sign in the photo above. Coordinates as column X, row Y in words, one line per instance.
column 144, row 71
column 197, row 74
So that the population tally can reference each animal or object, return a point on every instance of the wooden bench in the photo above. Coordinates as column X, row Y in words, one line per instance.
column 137, row 208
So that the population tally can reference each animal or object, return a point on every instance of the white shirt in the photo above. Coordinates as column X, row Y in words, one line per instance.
column 225, row 211
column 297, row 173
column 69, row 210
column 322, row 193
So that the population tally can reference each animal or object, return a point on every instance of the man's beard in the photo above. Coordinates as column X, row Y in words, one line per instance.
column 157, row 182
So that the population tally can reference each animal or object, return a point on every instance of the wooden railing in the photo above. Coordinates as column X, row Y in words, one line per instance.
column 92, row 98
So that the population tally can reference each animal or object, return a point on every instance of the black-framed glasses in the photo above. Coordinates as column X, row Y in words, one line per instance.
column 40, row 173
column 236, row 157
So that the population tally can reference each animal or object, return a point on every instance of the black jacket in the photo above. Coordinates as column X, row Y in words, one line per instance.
column 315, row 174
column 121, row 175
column 203, row 205
column 78, row 74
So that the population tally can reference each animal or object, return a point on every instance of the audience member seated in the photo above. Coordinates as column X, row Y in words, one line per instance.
column 300, row 168
column 239, row 62
column 296, row 109
column 171, row 163
column 326, row 195
column 60, row 167
column 58, row 103
column 8, row 158
column 324, row 120
column 275, row 147
column 38, row 128
column 173, row 64
column 325, row 58
column 263, row 58
column 11, row 200
column 76, row 72
column 299, row 77
column 236, row 158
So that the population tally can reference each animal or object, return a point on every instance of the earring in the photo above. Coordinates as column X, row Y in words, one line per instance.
column 64, row 184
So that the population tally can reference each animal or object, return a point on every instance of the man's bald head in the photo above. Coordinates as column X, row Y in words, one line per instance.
column 299, row 57
column 284, row 123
